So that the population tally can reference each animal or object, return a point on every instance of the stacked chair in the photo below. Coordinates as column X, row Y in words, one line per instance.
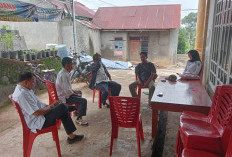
column 200, row 134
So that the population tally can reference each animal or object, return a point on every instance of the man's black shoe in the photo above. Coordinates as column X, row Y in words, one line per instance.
column 76, row 138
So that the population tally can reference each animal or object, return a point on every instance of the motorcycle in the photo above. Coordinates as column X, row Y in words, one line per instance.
column 81, row 71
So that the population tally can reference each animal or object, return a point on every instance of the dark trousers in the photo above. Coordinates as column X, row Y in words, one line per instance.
column 60, row 112
column 104, row 88
column 82, row 104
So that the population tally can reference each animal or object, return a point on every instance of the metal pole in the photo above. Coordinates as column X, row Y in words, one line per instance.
column 74, row 26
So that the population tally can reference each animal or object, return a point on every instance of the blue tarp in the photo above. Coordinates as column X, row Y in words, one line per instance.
column 116, row 64
column 13, row 10
column 62, row 52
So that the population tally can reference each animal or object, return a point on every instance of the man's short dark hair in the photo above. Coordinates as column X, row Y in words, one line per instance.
column 143, row 53
column 95, row 56
column 25, row 75
column 65, row 61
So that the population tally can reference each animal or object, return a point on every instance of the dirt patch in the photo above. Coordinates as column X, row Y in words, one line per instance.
column 98, row 133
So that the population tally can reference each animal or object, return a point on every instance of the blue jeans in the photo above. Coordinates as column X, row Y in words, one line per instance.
column 60, row 112
column 104, row 88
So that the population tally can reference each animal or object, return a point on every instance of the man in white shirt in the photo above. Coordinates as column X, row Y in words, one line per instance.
column 65, row 92
column 39, row 115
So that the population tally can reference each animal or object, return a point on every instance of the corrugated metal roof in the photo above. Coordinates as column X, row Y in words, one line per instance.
column 80, row 9
column 139, row 17
column 88, row 24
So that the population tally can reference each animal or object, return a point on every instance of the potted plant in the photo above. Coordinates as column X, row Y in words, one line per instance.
column 13, row 54
column 53, row 51
column 33, row 55
column 38, row 54
column 27, row 56
column 43, row 53
column 20, row 55
column 4, row 28
column 7, row 43
column 4, row 54
column 47, row 52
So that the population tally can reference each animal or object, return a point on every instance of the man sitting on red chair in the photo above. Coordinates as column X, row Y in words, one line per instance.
column 65, row 92
column 39, row 115
column 101, row 80
column 146, row 72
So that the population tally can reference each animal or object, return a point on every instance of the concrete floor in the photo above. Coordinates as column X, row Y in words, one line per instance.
column 97, row 135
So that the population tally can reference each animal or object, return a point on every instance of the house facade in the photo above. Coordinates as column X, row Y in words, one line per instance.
column 116, row 32
column 126, row 31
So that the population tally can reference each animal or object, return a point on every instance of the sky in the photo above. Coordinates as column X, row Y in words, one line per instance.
column 187, row 6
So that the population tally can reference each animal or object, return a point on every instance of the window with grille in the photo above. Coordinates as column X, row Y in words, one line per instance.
column 118, row 44
column 221, row 50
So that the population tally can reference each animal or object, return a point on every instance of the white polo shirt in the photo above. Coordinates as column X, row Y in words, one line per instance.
column 63, row 85
column 29, row 103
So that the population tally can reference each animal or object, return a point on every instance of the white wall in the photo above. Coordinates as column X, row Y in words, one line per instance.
column 107, row 46
column 173, row 45
column 36, row 34
column 84, row 35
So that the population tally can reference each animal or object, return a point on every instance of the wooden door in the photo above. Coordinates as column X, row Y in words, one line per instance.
column 135, row 47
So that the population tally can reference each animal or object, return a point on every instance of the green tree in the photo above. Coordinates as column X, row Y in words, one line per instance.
column 181, row 42
column 187, row 34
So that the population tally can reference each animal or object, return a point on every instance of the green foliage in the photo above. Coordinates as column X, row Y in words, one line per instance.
column 5, row 26
column 7, row 40
column 190, row 20
column 12, row 68
column 26, row 52
column 181, row 42
column 53, row 49
column 187, row 34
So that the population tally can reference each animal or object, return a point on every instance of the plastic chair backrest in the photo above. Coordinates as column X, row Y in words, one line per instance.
column 222, row 116
column 16, row 105
column 214, row 102
column 124, row 111
column 51, row 88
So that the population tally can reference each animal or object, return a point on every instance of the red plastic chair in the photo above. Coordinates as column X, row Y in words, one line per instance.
column 208, row 134
column 197, row 116
column 199, row 153
column 125, row 112
column 139, row 87
column 29, row 136
column 99, row 96
column 52, row 94
column 202, row 117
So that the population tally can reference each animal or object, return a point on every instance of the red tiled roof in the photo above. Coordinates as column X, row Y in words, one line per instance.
column 138, row 17
column 80, row 9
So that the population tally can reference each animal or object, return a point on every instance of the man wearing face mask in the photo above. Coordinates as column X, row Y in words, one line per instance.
column 101, row 79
